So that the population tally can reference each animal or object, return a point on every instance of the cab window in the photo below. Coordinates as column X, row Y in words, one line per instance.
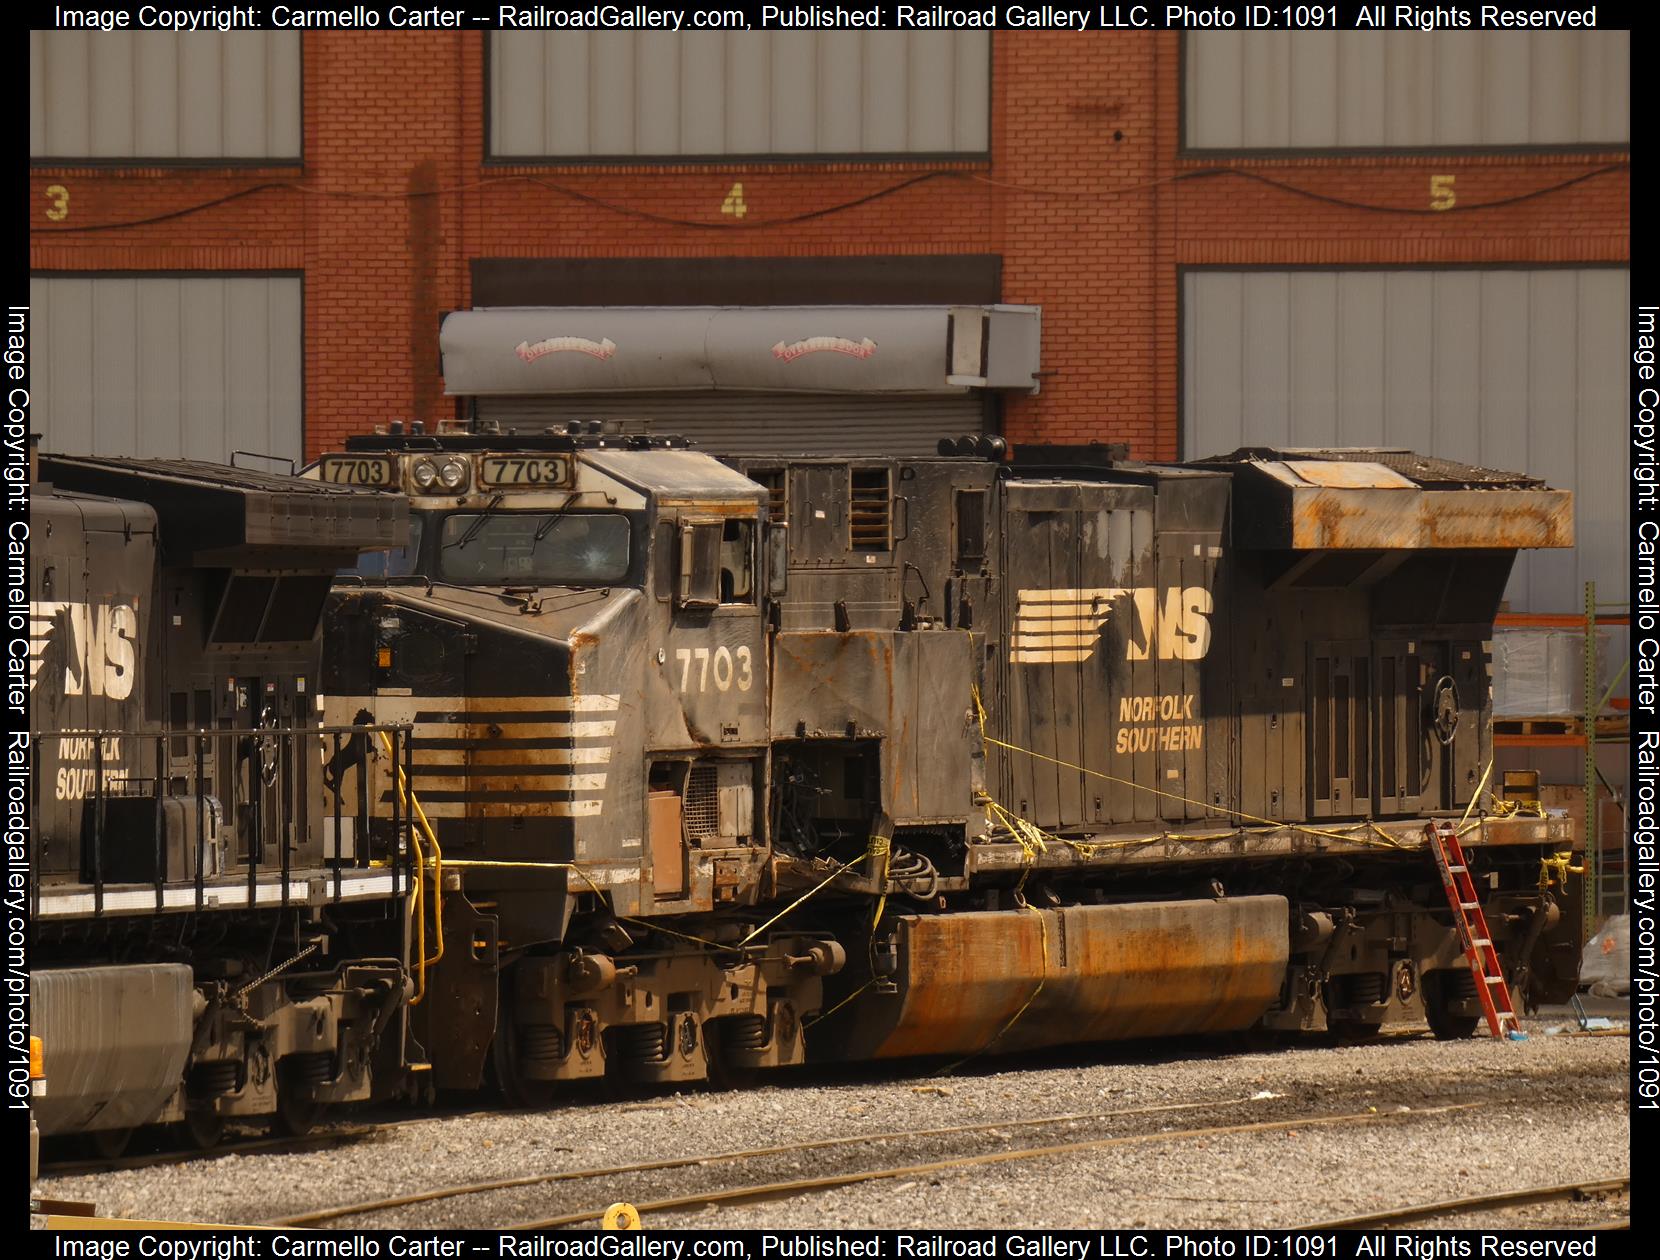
column 737, row 563
column 555, row 549
column 716, row 563
column 393, row 562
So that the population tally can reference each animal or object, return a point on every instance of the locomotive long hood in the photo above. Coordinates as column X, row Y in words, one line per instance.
column 1388, row 500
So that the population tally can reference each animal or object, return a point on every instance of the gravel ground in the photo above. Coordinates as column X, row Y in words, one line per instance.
column 1553, row 1109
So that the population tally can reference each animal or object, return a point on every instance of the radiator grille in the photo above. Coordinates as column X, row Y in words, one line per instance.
column 702, row 805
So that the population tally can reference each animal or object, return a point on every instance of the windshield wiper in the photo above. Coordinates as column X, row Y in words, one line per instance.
column 471, row 532
column 554, row 517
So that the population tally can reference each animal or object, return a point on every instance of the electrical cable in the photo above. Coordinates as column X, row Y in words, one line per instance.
column 650, row 216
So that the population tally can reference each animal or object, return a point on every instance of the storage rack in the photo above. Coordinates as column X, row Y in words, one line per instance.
column 1595, row 614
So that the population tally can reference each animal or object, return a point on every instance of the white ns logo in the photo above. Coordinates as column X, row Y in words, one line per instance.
column 83, row 649
column 1053, row 626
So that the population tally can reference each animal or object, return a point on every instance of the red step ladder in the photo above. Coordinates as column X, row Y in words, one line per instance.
column 1483, row 955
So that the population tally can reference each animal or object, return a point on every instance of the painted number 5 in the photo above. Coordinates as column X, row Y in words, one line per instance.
column 728, row 667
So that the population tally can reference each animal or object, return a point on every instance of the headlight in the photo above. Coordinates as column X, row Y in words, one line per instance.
column 453, row 473
column 424, row 473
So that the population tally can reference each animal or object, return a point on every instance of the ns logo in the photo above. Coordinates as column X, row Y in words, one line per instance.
column 82, row 649
column 1054, row 626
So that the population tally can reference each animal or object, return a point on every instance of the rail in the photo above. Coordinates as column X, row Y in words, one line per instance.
column 176, row 807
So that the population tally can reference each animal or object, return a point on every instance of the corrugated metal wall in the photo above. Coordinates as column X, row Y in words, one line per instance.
column 1406, row 89
column 168, row 365
column 793, row 424
column 164, row 96
column 1513, row 369
column 619, row 94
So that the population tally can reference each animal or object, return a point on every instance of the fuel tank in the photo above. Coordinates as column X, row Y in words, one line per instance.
column 1021, row 979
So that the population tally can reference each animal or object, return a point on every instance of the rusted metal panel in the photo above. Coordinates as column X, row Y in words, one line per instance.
column 829, row 685
column 1015, row 980
column 910, row 689
column 1325, row 519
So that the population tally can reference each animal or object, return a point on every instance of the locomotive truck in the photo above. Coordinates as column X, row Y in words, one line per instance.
column 724, row 765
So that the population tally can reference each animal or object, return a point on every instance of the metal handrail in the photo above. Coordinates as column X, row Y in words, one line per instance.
column 259, row 776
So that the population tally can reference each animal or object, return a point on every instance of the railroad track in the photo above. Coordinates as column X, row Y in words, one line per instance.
column 1578, row 1191
column 321, row 1140
column 372, row 1206
column 813, row 1185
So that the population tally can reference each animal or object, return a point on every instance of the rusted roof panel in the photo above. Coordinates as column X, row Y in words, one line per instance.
column 1371, row 500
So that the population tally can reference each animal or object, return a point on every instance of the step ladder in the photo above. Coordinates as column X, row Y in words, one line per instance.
column 1483, row 956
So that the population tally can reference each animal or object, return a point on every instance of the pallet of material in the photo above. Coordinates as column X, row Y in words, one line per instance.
column 1608, row 726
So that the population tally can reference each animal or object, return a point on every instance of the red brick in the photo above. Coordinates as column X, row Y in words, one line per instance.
column 1092, row 229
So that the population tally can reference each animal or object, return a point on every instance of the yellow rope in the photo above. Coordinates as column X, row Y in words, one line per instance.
column 797, row 902
column 1475, row 798
column 879, row 853
column 1384, row 841
column 1043, row 976
column 651, row 924
column 1561, row 864
column 808, row 1023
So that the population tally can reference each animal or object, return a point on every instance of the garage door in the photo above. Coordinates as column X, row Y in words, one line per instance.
column 792, row 424
column 1513, row 369
column 168, row 366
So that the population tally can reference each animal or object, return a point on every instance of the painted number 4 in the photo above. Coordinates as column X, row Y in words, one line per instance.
column 734, row 203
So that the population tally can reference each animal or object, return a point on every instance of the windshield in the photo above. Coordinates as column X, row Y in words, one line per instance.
column 395, row 562
column 539, row 548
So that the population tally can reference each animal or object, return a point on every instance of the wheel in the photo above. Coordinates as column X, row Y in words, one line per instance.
column 109, row 1143
column 1348, row 992
column 298, row 1110
column 508, row 1053
column 202, row 1129
column 722, row 1075
column 1440, row 989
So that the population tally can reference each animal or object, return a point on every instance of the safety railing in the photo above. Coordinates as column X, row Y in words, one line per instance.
column 177, row 808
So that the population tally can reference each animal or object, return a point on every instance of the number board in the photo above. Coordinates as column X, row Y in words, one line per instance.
column 359, row 470
column 529, row 472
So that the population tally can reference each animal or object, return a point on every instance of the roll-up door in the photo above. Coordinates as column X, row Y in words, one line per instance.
column 191, row 367
column 795, row 424
column 1524, row 370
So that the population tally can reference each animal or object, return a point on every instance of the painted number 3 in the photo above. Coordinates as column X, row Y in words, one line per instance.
column 57, row 197
column 726, row 667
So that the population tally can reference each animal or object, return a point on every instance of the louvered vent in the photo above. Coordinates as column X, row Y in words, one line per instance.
column 870, row 526
column 776, row 480
column 701, row 809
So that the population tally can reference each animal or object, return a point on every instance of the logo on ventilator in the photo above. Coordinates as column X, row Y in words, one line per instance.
column 1065, row 625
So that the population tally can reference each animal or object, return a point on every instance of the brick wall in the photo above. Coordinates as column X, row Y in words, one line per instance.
column 1087, row 198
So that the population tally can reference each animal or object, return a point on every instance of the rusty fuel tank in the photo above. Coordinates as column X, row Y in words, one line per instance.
column 1082, row 973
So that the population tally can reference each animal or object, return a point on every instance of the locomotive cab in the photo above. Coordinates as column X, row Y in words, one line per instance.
column 578, row 640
